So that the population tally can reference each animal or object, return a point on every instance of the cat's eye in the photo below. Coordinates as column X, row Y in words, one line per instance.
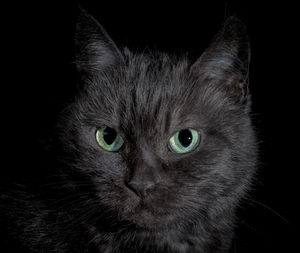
column 184, row 141
column 108, row 139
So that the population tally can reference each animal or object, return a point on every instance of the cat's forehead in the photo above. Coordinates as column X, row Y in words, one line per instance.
column 155, row 93
column 156, row 67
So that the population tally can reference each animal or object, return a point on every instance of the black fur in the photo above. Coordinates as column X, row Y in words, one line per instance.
column 83, row 203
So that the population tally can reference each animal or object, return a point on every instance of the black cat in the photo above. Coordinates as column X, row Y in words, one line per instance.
column 155, row 153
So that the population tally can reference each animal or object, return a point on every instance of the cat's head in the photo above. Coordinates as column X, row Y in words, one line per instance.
column 161, row 141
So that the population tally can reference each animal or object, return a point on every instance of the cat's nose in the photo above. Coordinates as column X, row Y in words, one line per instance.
column 141, row 188
column 144, row 176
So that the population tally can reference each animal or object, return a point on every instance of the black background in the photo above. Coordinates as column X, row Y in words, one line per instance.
column 39, row 79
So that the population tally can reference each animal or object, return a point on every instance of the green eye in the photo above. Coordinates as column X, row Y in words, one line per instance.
column 184, row 141
column 109, row 139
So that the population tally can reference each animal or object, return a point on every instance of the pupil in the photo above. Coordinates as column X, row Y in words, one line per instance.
column 185, row 137
column 109, row 135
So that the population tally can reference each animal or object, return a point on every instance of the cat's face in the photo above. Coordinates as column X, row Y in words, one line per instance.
column 184, row 149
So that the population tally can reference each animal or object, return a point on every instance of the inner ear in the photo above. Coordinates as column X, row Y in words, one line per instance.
column 95, row 51
column 226, row 61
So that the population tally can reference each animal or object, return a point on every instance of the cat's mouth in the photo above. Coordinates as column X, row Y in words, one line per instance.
column 147, row 220
column 147, row 216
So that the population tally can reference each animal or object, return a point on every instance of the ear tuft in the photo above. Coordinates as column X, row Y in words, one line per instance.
column 94, row 49
column 226, row 61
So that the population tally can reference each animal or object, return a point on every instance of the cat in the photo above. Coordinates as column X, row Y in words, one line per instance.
column 154, row 154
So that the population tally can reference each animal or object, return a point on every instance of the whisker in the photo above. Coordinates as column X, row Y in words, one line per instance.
column 269, row 209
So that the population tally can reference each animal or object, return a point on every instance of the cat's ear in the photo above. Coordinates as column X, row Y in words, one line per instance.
column 94, row 49
column 226, row 61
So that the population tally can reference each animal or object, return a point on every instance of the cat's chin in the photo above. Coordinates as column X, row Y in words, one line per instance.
column 147, row 221
column 147, row 217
